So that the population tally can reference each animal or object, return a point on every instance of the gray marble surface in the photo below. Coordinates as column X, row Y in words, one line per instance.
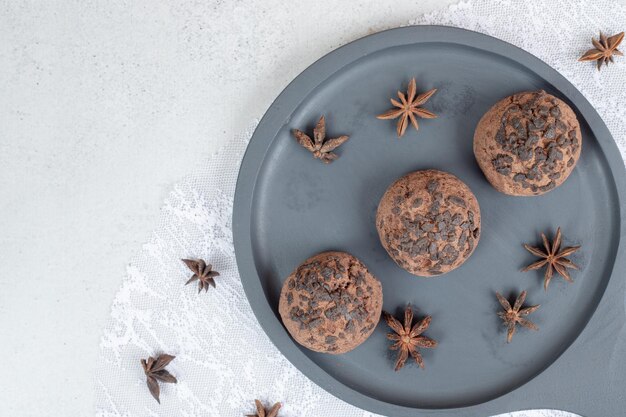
column 103, row 107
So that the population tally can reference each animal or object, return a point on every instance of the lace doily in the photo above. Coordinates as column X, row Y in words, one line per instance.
column 223, row 358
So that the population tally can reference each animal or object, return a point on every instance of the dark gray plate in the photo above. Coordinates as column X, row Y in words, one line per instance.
column 289, row 206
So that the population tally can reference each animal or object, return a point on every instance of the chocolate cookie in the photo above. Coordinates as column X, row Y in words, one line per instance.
column 429, row 222
column 528, row 143
column 331, row 303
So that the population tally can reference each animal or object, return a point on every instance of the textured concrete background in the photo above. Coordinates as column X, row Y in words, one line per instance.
column 103, row 106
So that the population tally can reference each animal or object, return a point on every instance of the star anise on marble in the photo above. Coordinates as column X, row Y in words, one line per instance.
column 408, row 338
column 408, row 108
column 202, row 272
column 554, row 259
column 320, row 147
column 604, row 49
column 260, row 410
column 512, row 316
column 155, row 371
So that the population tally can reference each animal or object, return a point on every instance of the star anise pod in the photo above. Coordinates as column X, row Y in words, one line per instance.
column 408, row 339
column 604, row 49
column 201, row 272
column 515, row 315
column 408, row 107
column 155, row 371
column 554, row 259
column 320, row 147
column 260, row 410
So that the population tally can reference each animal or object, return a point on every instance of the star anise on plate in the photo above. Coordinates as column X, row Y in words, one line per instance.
column 260, row 410
column 554, row 259
column 408, row 108
column 155, row 371
column 604, row 49
column 320, row 147
column 408, row 338
column 512, row 316
column 202, row 272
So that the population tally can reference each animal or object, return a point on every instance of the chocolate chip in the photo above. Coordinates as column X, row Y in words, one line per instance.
column 500, row 138
column 463, row 239
column 532, row 140
column 422, row 241
column 367, row 328
column 432, row 249
column 457, row 201
column 514, row 108
column 554, row 175
column 316, row 323
column 470, row 243
column 524, row 154
column 519, row 177
column 432, row 186
column 349, row 326
column 539, row 122
column 327, row 273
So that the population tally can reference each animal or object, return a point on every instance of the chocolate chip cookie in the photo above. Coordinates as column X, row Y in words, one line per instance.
column 331, row 303
column 429, row 222
column 528, row 143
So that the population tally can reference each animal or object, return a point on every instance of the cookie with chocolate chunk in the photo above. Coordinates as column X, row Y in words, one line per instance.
column 528, row 143
column 331, row 303
column 428, row 222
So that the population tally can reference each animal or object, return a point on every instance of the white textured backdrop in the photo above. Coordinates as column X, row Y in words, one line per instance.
column 224, row 360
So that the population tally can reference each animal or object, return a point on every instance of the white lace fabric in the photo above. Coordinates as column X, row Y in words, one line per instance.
column 224, row 360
